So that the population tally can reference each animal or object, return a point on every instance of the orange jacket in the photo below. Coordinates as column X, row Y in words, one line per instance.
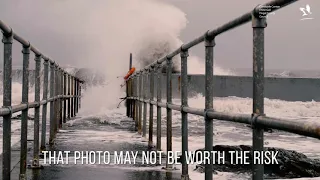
column 130, row 72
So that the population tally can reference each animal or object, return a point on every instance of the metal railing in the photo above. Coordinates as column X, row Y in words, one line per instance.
column 137, row 95
column 64, row 101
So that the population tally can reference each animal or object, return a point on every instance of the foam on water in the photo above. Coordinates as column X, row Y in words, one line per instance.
column 16, row 124
column 17, row 94
column 225, row 132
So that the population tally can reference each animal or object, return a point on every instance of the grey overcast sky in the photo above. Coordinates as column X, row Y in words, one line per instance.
column 290, row 42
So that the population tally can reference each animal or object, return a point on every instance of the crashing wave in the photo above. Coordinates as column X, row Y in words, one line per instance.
column 152, row 49
column 282, row 74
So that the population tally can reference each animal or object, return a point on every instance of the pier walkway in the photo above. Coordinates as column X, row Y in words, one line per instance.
column 90, row 134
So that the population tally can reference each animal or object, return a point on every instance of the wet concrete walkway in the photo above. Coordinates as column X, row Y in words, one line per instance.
column 94, row 134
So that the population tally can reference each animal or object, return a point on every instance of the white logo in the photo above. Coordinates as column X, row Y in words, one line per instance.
column 306, row 12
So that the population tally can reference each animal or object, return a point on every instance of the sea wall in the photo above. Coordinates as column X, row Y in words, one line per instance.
column 289, row 89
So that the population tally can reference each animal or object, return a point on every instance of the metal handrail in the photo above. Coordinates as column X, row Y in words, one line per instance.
column 65, row 93
column 137, row 94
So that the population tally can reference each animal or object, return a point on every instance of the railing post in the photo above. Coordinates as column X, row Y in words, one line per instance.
column 131, row 100
column 129, row 95
column 159, row 87
column 140, row 103
column 35, row 162
column 69, row 95
column 136, row 110
column 58, row 97
column 209, row 44
column 61, row 96
column 7, row 94
column 151, row 107
column 78, row 95
column 80, row 87
column 127, row 100
column 64, row 97
column 75, row 96
column 258, row 25
column 184, row 116
column 144, row 129
column 72, row 94
column 136, row 81
column 133, row 95
column 44, row 107
column 169, row 110
column 56, row 104
column 52, row 92
column 24, row 113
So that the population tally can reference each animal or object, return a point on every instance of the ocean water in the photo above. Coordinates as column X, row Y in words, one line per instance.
column 99, row 102
column 280, row 73
column 224, row 133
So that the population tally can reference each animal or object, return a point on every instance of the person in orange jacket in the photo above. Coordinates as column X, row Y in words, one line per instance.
column 130, row 72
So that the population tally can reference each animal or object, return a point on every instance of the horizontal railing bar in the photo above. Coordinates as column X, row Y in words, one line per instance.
column 4, row 111
column 230, row 25
column 174, row 107
column 19, row 107
column 43, row 102
column 239, row 118
column 162, row 104
column 8, row 30
column 22, row 41
column 305, row 129
column 193, row 43
column 5, row 29
column 281, row 3
column 153, row 102
column 50, row 99
column 248, row 16
column 36, row 51
column 161, row 60
column 171, row 55
column 34, row 104
column 195, row 111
